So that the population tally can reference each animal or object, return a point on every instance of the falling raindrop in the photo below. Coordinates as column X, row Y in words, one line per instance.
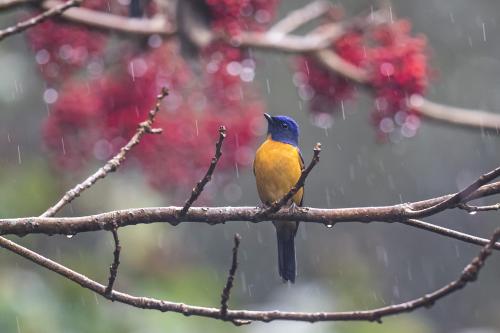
column 19, row 154
column 243, row 282
column 62, row 145
column 236, row 170
column 328, row 198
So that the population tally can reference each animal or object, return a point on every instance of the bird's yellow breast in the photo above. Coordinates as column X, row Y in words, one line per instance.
column 277, row 169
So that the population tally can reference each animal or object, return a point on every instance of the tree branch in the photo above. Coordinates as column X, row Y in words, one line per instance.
column 113, row 269
column 217, row 215
column 297, row 18
column 469, row 274
column 226, row 292
column 472, row 119
column 457, row 198
column 448, row 232
column 275, row 39
column 208, row 176
column 115, row 162
column 103, row 21
column 474, row 209
column 10, row 4
column 54, row 11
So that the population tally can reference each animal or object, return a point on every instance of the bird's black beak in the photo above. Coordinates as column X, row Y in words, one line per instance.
column 268, row 118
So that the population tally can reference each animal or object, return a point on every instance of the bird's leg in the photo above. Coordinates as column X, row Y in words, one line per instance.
column 263, row 205
column 293, row 208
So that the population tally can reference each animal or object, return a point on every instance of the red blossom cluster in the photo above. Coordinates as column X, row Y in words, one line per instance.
column 96, row 103
column 397, row 63
column 61, row 50
column 324, row 88
column 399, row 69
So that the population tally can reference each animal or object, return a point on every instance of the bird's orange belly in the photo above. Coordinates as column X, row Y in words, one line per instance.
column 277, row 169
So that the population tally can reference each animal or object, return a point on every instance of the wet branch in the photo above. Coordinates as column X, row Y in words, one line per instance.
column 226, row 292
column 217, row 215
column 54, row 11
column 457, row 198
column 448, row 232
column 277, row 39
column 473, row 209
column 469, row 274
column 115, row 162
column 208, row 176
column 113, row 269
column 301, row 16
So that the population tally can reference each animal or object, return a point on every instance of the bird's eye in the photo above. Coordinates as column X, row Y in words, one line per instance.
column 284, row 125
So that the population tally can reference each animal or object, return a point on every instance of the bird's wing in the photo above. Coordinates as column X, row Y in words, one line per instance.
column 301, row 159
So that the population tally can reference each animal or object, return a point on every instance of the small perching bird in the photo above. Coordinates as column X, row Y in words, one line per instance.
column 277, row 167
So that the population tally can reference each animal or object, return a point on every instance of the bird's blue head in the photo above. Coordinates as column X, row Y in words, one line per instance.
column 283, row 129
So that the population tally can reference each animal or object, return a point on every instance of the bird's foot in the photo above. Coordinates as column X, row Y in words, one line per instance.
column 293, row 208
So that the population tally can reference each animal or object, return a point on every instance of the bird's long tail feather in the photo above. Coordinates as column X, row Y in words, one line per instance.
column 286, row 255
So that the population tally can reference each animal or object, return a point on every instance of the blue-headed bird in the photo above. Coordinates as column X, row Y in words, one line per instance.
column 277, row 167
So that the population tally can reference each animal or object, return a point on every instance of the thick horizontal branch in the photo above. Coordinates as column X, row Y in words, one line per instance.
column 217, row 215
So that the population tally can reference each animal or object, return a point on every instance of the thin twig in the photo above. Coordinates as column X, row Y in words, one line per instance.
column 448, row 232
column 469, row 274
column 21, row 26
column 115, row 162
column 195, row 193
column 113, row 269
column 226, row 292
column 457, row 198
column 275, row 206
column 473, row 209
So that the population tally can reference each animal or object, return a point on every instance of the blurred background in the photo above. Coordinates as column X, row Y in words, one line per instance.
column 350, row 266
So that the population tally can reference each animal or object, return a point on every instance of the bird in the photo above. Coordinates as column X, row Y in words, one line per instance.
column 277, row 167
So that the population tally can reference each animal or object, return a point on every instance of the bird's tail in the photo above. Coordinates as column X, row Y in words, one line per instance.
column 286, row 254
